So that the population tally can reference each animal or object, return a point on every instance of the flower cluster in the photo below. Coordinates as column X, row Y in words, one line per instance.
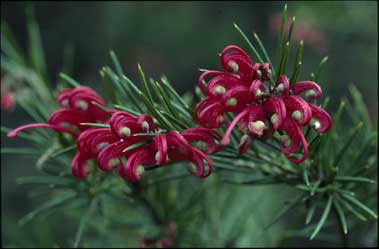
column 260, row 108
column 138, row 140
column 134, row 138
column 131, row 143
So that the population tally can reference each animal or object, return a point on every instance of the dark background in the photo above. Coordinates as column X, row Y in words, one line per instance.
column 177, row 38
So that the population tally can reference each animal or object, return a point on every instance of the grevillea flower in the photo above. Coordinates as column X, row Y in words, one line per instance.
column 79, row 105
column 260, row 110
column 142, row 144
column 7, row 98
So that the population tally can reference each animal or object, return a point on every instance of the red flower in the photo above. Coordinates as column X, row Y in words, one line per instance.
column 109, row 146
column 78, row 106
column 259, row 109
column 7, row 100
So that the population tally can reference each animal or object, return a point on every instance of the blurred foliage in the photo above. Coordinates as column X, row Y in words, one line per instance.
column 209, row 212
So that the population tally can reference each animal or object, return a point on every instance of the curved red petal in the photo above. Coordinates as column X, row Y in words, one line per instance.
column 226, row 138
column 198, row 159
column 236, row 99
column 202, row 134
column 123, row 120
column 78, row 165
column 297, row 138
column 246, row 142
column 266, row 70
column 282, row 85
column 15, row 132
column 299, row 105
column 93, row 140
column 64, row 117
column 307, row 86
column 109, row 157
column 256, row 87
column 143, row 157
column 209, row 116
column 177, row 142
column 222, row 83
column 63, row 97
column 321, row 116
column 202, row 77
column 275, row 105
column 234, row 54
column 256, row 114
column 160, row 143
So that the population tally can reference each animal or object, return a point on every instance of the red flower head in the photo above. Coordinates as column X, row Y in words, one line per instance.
column 78, row 106
column 259, row 110
column 144, row 145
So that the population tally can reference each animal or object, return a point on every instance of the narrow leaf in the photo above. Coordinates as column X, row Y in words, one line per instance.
column 353, row 179
column 359, row 204
column 53, row 202
column 134, row 146
column 341, row 215
column 249, row 43
column 69, row 80
column 144, row 83
column 96, row 125
column 84, row 221
column 280, row 37
column 116, row 63
column 323, row 218
column 320, row 66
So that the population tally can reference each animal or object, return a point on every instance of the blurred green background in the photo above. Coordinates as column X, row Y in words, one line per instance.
column 175, row 39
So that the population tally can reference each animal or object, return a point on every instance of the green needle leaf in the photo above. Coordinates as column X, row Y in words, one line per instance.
column 262, row 47
column 249, row 43
column 298, row 63
column 323, row 218
column 55, row 180
column 84, row 221
column 18, row 150
column 58, row 199
column 283, row 60
column 280, row 37
column 168, row 86
column 359, row 204
column 347, row 144
column 351, row 209
column 69, row 80
column 310, row 213
column 292, row 27
column 35, row 45
column 108, row 86
column 341, row 215
column 353, row 179
column 305, row 176
column 284, row 210
column 134, row 146
column 96, row 125
column 319, row 68
column 9, row 44
column 116, row 63
column 144, row 83
column 63, row 150
column 126, row 109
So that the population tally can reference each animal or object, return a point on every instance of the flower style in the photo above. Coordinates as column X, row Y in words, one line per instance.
column 260, row 109
column 78, row 105
column 144, row 145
